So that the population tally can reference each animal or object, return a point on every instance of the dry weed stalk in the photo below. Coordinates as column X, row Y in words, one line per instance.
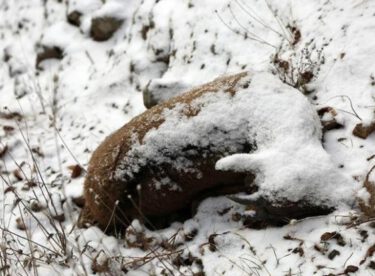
column 368, row 208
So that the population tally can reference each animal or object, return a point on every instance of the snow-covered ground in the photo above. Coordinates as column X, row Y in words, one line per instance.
column 52, row 118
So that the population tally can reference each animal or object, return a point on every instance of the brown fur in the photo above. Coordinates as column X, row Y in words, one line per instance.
column 102, row 190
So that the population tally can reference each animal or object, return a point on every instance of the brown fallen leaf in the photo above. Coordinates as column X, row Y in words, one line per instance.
column 333, row 254
column 74, row 18
column 351, row 269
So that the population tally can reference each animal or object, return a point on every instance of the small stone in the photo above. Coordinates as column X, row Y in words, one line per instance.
column 102, row 28
column 76, row 171
column 351, row 269
column 48, row 53
column 35, row 206
column 74, row 18
column 362, row 131
column 332, row 123
column 364, row 235
column 333, row 254
column 236, row 217
column 18, row 174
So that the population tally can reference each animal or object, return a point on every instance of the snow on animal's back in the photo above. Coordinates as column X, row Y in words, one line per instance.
column 290, row 161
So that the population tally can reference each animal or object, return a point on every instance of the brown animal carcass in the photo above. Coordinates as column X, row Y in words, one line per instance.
column 124, row 183
column 166, row 159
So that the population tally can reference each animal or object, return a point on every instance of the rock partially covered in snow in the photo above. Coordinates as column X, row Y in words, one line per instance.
column 48, row 53
column 249, row 123
column 74, row 18
column 102, row 28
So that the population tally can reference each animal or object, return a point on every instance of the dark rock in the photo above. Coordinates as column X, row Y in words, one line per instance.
column 333, row 254
column 362, row 131
column 48, row 53
column 351, row 269
column 299, row 251
column 35, row 206
column 329, row 124
column 76, row 171
column 333, row 236
column 102, row 28
column 364, row 235
column 278, row 213
column 74, row 18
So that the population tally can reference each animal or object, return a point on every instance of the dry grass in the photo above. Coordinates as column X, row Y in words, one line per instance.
column 368, row 207
column 300, row 68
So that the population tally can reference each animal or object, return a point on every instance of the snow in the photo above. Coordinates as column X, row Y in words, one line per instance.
column 62, row 41
column 85, row 6
column 98, row 89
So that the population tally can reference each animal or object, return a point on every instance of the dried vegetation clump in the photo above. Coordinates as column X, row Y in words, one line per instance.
column 368, row 206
